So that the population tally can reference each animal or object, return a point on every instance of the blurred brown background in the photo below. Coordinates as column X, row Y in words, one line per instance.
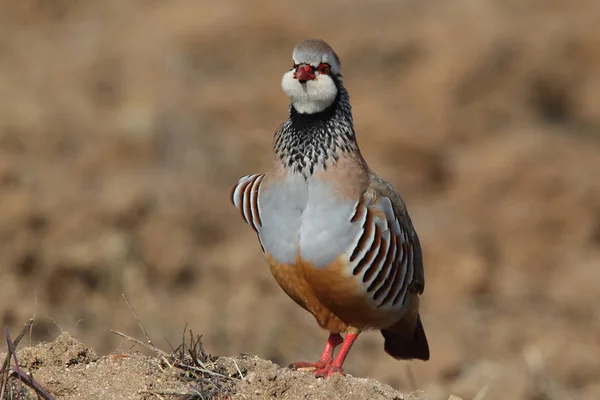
column 123, row 123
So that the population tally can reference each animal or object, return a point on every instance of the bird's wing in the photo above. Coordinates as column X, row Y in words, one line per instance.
column 384, row 188
column 244, row 195
column 387, row 255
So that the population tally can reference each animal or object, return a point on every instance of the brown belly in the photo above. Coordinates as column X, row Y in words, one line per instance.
column 336, row 300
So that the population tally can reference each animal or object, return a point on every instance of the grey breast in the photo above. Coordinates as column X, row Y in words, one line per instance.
column 304, row 216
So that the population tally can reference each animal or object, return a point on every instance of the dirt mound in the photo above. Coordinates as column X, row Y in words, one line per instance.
column 266, row 380
column 70, row 370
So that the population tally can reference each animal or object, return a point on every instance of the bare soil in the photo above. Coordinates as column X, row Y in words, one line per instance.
column 123, row 124
column 69, row 370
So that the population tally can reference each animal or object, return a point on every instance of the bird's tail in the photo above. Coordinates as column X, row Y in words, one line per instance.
column 406, row 341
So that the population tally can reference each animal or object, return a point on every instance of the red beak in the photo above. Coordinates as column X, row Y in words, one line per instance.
column 304, row 73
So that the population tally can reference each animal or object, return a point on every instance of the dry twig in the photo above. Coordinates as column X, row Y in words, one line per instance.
column 16, row 371
column 190, row 358
column 147, row 346
column 132, row 310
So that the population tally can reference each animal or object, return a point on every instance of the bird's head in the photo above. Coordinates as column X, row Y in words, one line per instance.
column 312, row 82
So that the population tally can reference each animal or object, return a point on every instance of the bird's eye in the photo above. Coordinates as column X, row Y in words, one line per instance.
column 323, row 68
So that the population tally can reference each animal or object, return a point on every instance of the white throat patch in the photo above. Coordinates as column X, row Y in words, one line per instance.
column 312, row 96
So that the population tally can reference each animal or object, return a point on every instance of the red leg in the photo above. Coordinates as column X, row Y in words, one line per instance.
column 326, row 357
column 336, row 365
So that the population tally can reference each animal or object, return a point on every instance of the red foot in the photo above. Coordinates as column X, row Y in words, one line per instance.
column 328, row 371
column 327, row 366
column 326, row 358
column 301, row 365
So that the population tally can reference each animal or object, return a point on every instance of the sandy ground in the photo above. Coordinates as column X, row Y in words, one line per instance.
column 123, row 124
column 68, row 370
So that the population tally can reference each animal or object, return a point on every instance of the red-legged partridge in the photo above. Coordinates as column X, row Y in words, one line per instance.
column 338, row 237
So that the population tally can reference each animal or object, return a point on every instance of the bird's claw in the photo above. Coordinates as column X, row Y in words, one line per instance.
column 320, row 369
column 328, row 371
column 308, row 366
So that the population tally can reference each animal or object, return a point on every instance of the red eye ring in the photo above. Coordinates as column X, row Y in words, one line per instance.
column 324, row 68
